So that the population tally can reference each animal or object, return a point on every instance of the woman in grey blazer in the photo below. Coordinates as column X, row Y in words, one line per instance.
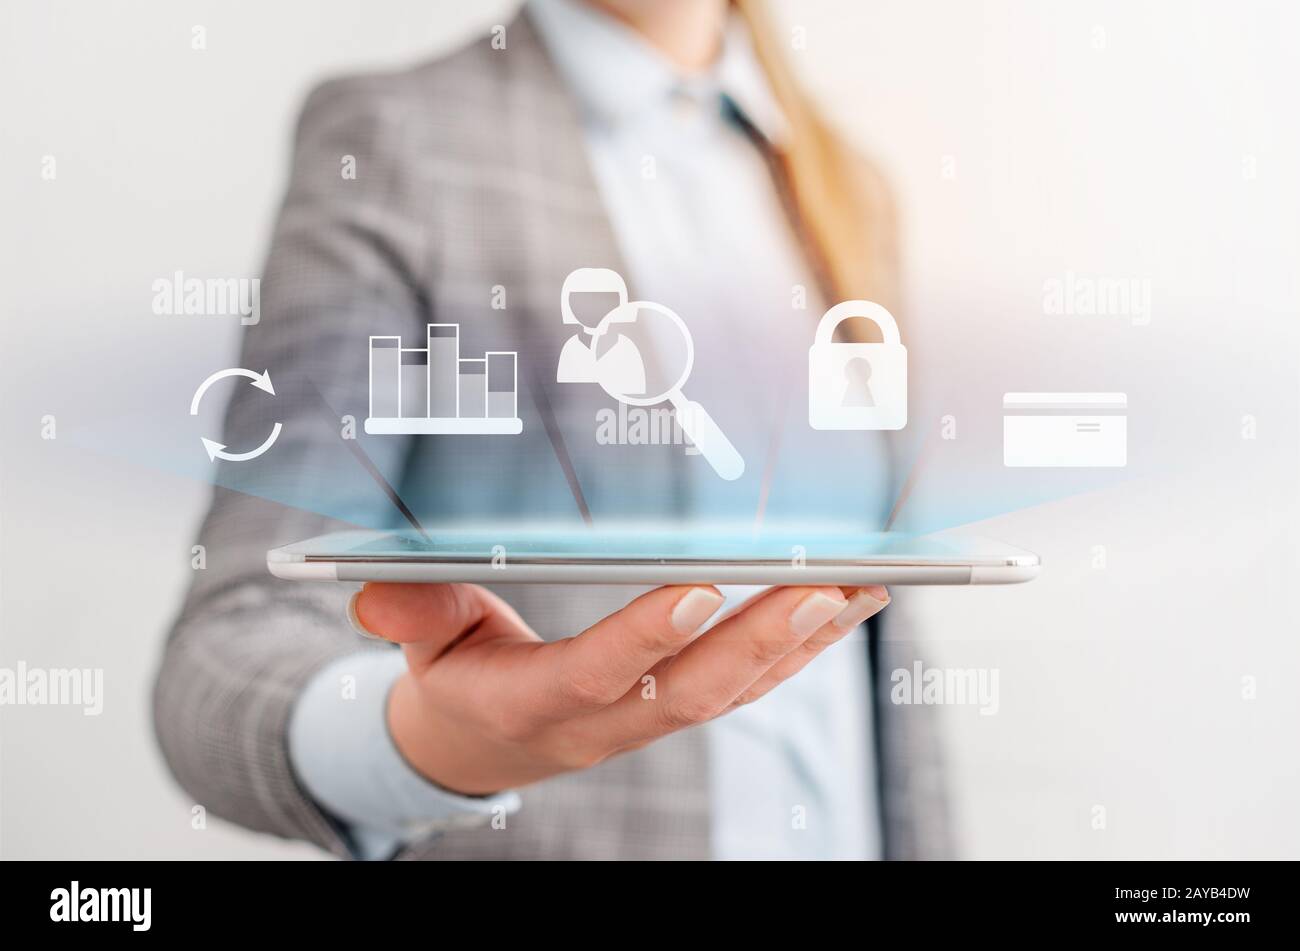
column 664, row 142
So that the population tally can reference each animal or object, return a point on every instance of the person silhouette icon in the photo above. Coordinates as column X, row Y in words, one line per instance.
column 589, row 360
column 857, row 385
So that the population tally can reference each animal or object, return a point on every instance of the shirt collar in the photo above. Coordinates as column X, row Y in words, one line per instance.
column 617, row 76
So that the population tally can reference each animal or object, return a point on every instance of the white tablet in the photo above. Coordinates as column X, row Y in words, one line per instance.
column 650, row 557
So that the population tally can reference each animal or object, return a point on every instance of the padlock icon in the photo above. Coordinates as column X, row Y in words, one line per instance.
column 857, row 385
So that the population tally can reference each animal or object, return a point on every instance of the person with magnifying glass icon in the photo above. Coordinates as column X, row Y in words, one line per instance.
column 621, row 370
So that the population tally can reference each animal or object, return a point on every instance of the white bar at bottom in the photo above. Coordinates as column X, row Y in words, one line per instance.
column 442, row 426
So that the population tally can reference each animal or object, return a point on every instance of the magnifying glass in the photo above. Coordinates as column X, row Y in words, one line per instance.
column 666, row 355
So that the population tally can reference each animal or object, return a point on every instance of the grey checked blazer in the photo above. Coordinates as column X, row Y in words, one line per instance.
column 471, row 175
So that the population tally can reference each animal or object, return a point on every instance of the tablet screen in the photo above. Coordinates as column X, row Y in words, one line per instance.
column 639, row 546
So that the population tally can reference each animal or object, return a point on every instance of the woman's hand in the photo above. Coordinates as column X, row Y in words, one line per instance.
column 486, row 705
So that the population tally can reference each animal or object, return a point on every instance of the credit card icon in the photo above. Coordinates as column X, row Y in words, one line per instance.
column 1064, row 430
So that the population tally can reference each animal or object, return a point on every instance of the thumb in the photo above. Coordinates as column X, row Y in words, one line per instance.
column 426, row 619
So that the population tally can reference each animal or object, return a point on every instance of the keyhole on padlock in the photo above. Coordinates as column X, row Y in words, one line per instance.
column 857, row 386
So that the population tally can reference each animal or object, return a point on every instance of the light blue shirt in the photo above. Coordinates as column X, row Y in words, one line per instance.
column 791, row 776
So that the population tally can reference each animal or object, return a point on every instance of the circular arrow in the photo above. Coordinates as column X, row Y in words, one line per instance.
column 217, row 450
column 260, row 380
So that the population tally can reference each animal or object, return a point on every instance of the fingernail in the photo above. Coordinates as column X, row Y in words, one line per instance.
column 693, row 610
column 356, row 621
column 814, row 611
column 862, row 605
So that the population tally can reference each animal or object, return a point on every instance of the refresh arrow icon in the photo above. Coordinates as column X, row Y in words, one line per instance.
column 260, row 380
column 217, row 450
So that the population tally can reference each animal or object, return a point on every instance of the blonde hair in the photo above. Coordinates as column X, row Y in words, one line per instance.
column 840, row 202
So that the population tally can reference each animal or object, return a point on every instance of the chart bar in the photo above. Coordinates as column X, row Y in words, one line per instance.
column 473, row 389
column 415, row 383
column 444, row 370
column 385, row 376
column 502, row 384
column 432, row 390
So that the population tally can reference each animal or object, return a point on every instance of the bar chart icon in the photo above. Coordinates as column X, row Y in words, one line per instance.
column 434, row 391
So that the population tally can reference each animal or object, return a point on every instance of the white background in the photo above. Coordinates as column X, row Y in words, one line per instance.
column 1153, row 141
